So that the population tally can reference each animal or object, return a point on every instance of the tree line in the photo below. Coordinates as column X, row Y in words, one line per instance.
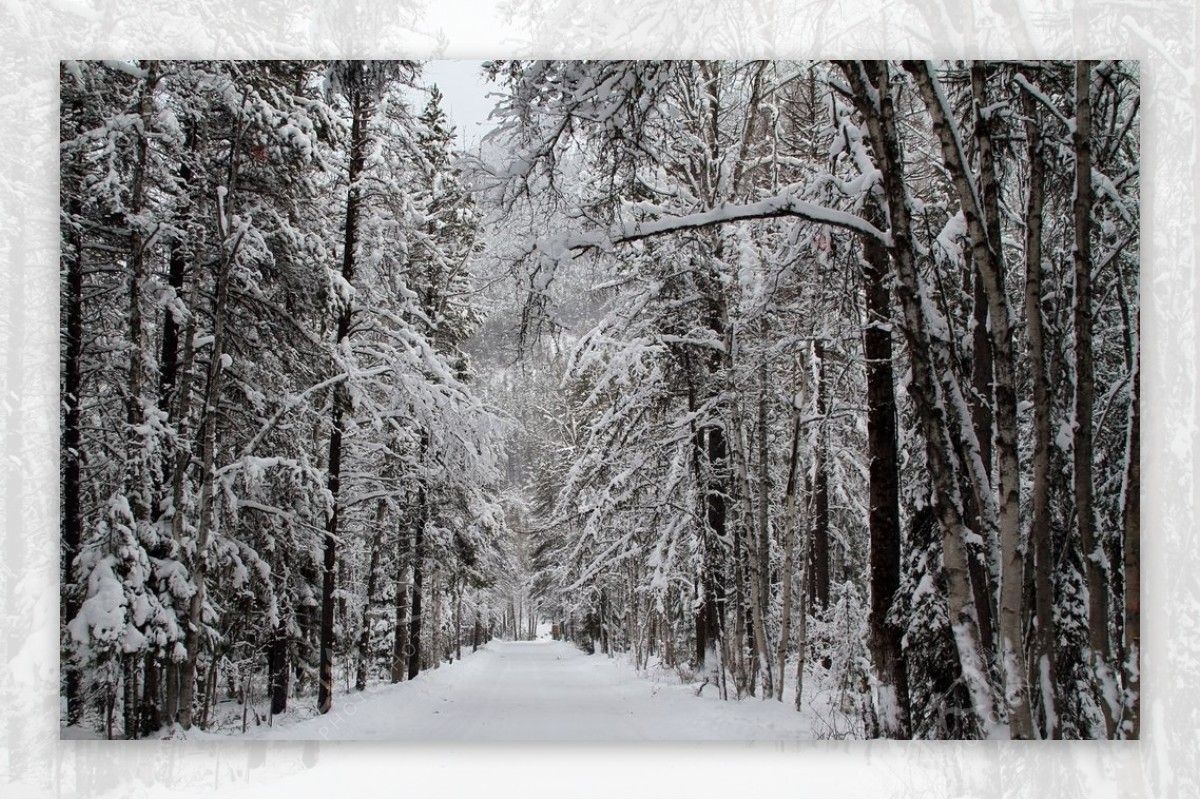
column 861, row 399
column 278, row 474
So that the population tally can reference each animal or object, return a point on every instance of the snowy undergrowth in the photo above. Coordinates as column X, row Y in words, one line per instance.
column 831, row 707
column 541, row 690
column 231, row 717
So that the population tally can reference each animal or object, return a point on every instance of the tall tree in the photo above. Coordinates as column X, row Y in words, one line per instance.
column 1040, row 534
column 1082, row 451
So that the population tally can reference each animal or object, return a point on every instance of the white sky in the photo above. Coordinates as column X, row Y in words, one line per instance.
column 468, row 28
column 465, row 97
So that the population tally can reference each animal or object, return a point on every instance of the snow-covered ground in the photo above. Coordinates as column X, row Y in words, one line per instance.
column 542, row 690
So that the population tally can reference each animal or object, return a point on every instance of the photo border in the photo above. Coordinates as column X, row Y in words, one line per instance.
column 36, row 36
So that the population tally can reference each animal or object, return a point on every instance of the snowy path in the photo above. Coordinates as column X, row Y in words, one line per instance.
column 542, row 690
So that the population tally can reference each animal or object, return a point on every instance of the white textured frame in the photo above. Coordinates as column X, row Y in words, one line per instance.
column 35, row 35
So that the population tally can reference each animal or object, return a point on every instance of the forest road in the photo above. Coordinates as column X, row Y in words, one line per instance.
column 540, row 691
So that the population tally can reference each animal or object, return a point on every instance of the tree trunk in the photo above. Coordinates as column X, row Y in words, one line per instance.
column 210, row 689
column 872, row 89
column 1131, row 516
column 72, row 449
column 329, row 563
column 135, row 483
column 819, row 581
column 358, row 134
column 980, row 206
column 277, row 669
column 169, row 404
column 364, row 634
column 171, row 699
column 418, row 567
column 458, row 601
column 708, row 449
column 110, row 702
column 177, row 697
column 982, row 369
column 801, row 625
column 715, row 517
column 700, row 583
column 792, row 527
column 137, row 272
column 1085, row 390
column 743, row 558
column 885, row 637
column 400, row 640
column 151, row 716
column 182, row 405
column 606, row 624
column 129, row 708
column 434, row 655
column 206, row 522
column 762, row 571
column 168, row 374
column 1012, row 567
column 981, row 399
column 1043, row 670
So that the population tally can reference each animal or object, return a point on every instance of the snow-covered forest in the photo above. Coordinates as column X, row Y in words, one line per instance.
column 804, row 383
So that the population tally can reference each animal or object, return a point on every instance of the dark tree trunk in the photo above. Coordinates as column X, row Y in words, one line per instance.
column 872, row 87
column 458, row 622
column 137, row 274
column 168, row 374
column 792, row 528
column 207, row 512
column 152, row 718
column 134, row 476
column 208, row 443
column 885, row 637
column 741, row 625
column 760, row 574
column 129, row 708
column 1010, row 615
column 1091, row 549
column 605, row 622
column 981, row 368
column 418, row 567
column 168, row 379
column 364, row 634
column 1131, row 655
column 714, row 589
column 329, row 566
column 358, row 103
column 182, row 462
column 171, row 694
column 700, row 584
column 277, row 670
column 72, row 443
column 1042, row 671
column 400, row 639
column 981, row 401
column 819, row 583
